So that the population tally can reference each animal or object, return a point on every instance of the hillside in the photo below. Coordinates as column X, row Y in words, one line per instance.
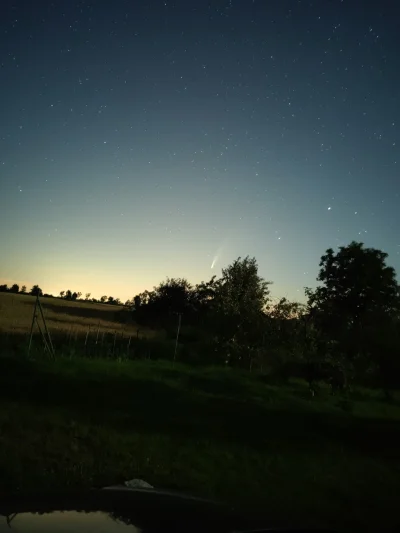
column 219, row 433
column 62, row 316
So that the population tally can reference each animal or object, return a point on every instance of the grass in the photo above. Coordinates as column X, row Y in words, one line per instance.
column 62, row 316
column 213, row 432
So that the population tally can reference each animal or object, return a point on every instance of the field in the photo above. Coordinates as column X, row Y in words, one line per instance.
column 272, row 450
column 62, row 316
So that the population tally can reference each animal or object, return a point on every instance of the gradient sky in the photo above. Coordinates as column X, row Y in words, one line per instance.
column 146, row 139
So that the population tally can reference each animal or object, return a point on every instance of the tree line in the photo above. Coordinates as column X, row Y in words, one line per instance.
column 348, row 330
column 65, row 295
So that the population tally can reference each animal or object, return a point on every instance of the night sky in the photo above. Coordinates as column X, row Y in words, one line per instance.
column 146, row 139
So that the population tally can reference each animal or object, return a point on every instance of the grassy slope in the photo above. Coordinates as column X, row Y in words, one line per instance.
column 211, row 432
column 16, row 312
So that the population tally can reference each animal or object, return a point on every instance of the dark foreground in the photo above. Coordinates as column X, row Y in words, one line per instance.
column 272, row 451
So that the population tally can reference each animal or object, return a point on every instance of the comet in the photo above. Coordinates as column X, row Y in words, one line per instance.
column 218, row 254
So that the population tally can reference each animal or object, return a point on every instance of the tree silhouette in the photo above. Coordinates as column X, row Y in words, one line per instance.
column 87, row 296
column 241, row 290
column 23, row 289
column 284, row 309
column 241, row 298
column 359, row 296
column 62, row 294
column 103, row 299
column 145, row 297
column 159, row 306
column 285, row 321
column 14, row 288
column 204, row 294
column 172, row 296
column 36, row 291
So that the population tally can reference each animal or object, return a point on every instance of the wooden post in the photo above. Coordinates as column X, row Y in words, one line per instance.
column 33, row 323
column 45, row 328
column 177, row 333
column 46, row 346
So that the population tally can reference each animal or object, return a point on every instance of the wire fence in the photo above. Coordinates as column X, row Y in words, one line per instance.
column 94, row 343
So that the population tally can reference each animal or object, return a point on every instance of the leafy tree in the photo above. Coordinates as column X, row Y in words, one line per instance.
column 87, row 296
column 285, row 332
column 172, row 296
column 359, row 296
column 15, row 288
column 145, row 297
column 284, row 309
column 384, row 348
column 68, row 295
column 62, row 294
column 3, row 288
column 23, row 289
column 74, row 296
column 241, row 290
column 137, row 301
column 36, row 291
column 103, row 299
column 203, row 295
column 159, row 306
column 110, row 300
column 240, row 300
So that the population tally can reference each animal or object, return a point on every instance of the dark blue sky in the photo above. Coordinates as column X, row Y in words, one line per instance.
column 145, row 139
